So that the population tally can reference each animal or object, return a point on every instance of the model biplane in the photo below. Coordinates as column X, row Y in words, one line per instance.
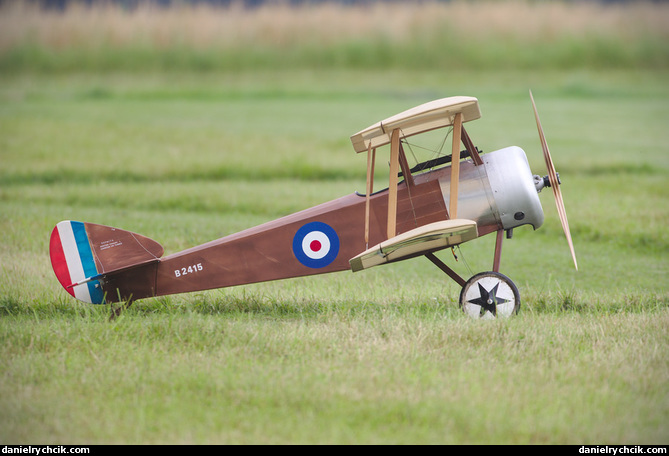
column 434, row 205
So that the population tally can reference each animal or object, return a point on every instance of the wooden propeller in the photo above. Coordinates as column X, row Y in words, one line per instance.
column 555, row 183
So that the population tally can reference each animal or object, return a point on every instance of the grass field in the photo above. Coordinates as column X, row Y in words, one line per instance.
column 383, row 356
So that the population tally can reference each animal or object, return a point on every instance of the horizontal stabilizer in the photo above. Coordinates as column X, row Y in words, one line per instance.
column 82, row 253
column 419, row 241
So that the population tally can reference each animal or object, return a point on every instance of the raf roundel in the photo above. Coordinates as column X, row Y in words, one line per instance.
column 316, row 245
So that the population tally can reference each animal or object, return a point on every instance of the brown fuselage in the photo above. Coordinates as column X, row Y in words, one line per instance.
column 270, row 251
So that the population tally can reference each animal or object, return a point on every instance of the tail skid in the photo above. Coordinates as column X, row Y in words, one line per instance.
column 82, row 254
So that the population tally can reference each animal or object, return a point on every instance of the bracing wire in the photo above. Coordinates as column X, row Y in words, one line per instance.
column 436, row 152
column 464, row 260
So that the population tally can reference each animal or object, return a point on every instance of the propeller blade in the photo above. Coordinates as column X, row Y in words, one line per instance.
column 555, row 183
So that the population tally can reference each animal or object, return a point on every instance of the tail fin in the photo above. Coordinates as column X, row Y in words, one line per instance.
column 82, row 253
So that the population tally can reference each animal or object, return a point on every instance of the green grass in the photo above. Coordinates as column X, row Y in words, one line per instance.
column 279, row 373
column 382, row 356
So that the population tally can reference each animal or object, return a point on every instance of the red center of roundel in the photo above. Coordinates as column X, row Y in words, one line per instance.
column 315, row 246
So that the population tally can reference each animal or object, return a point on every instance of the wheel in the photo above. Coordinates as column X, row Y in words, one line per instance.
column 490, row 295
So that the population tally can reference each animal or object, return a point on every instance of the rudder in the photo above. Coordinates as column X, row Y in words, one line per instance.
column 82, row 253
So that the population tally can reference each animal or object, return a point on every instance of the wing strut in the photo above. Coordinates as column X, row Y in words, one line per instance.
column 455, row 166
column 392, row 195
column 371, row 158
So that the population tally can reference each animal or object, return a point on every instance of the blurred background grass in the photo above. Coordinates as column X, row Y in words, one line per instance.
column 203, row 36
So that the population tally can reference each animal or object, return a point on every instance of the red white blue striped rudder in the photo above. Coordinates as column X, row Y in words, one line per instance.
column 72, row 261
